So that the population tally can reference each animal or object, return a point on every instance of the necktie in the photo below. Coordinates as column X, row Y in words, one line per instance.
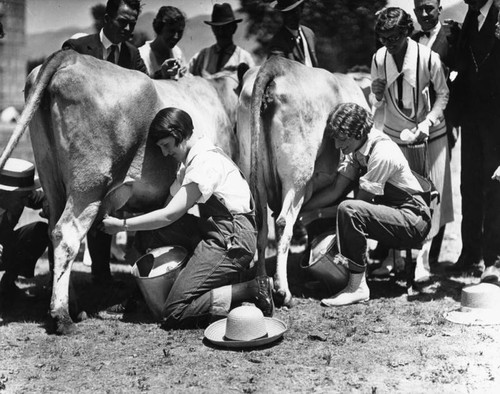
column 474, row 23
column 300, row 47
column 112, row 50
column 426, row 34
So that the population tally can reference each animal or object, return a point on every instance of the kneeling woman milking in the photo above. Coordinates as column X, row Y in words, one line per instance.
column 221, row 241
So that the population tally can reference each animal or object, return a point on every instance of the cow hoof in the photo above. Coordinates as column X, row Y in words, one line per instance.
column 282, row 298
column 63, row 325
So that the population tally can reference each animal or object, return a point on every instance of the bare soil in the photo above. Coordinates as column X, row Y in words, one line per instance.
column 393, row 343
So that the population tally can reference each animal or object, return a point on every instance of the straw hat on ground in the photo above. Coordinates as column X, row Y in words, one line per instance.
column 480, row 305
column 244, row 327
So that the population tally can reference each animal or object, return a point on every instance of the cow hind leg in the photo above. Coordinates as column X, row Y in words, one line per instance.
column 66, row 237
column 284, row 231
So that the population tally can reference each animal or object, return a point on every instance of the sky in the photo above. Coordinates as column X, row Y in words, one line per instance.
column 51, row 15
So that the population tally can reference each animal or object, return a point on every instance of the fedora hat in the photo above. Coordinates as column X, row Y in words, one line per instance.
column 245, row 326
column 222, row 14
column 18, row 175
column 324, row 264
column 479, row 305
column 286, row 5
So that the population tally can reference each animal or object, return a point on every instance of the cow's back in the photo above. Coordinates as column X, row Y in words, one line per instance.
column 91, row 130
column 200, row 100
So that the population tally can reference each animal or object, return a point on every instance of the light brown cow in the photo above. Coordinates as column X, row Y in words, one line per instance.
column 282, row 117
column 89, row 124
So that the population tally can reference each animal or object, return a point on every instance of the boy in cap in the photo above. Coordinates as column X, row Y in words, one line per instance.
column 224, row 54
column 20, row 248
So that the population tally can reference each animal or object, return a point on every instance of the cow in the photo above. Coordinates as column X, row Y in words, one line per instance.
column 282, row 116
column 88, row 122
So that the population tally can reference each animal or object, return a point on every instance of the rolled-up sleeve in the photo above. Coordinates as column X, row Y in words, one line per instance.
column 381, row 166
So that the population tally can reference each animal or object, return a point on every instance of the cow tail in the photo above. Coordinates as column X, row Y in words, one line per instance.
column 50, row 66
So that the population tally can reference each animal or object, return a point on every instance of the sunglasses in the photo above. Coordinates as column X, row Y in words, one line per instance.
column 391, row 39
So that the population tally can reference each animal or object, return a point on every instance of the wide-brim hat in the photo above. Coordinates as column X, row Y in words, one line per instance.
column 480, row 305
column 222, row 14
column 325, row 264
column 286, row 5
column 244, row 327
column 18, row 175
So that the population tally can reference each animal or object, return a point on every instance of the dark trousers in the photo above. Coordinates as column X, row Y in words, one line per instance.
column 24, row 248
column 359, row 220
column 480, row 194
column 221, row 249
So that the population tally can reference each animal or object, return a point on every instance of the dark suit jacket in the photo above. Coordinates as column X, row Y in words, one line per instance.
column 283, row 44
column 482, row 97
column 442, row 46
column 91, row 45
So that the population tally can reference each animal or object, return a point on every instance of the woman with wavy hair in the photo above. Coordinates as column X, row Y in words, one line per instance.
column 409, row 95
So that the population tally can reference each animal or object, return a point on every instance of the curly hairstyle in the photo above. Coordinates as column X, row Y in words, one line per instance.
column 349, row 120
column 171, row 122
column 393, row 18
column 167, row 15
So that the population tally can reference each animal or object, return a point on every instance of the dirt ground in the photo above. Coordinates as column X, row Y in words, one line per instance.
column 393, row 343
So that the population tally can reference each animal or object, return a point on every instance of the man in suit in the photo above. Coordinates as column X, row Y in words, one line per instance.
column 478, row 100
column 294, row 41
column 224, row 54
column 110, row 44
column 441, row 38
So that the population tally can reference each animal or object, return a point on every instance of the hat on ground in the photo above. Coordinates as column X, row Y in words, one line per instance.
column 222, row 14
column 480, row 305
column 18, row 175
column 245, row 326
column 325, row 264
column 286, row 5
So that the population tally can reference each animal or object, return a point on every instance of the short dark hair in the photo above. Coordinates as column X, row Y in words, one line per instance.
column 393, row 18
column 167, row 15
column 171, row 122
column 113, row 5
column 349, row 120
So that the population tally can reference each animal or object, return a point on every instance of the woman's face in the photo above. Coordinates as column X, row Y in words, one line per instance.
column 172, row 33
column 394, row 40
column 168, row 148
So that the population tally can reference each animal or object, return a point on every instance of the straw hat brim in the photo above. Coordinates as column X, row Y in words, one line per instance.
column 215, row 333
column 36, row 185
column 289, row 8
column 474, row 316
column 223, row 23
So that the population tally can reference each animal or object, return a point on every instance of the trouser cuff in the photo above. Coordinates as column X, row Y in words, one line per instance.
column 221, row 301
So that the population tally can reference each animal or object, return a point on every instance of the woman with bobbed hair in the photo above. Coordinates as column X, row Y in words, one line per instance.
column 409, row 94
column 162, row 57
column 221, row 241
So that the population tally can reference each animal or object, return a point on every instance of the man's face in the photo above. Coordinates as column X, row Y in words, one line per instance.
column 427, row 13
column 475, row 4
column 120, row 28
column 291, row 19
column 224, row 34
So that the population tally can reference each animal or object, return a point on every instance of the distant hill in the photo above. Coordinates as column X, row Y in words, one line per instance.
column 197, row 35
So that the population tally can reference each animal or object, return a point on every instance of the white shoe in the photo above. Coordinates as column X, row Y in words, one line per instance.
column 356, row 291
column 422, row 267
column 393, row 260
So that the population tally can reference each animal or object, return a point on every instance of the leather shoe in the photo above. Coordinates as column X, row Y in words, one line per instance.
column 11, row 291
column 264, row 299
column 464, row 264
